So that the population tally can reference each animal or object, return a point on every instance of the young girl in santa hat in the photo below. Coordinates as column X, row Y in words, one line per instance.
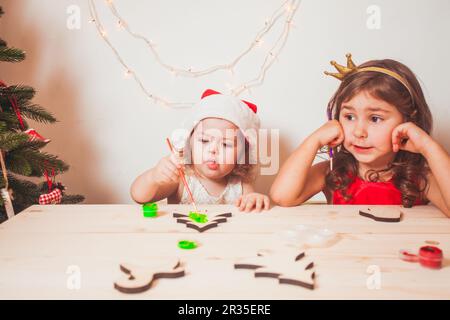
column 219, row 158
column 383, row 153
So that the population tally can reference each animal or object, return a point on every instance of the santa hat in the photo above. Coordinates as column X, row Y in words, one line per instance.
column 241, row 113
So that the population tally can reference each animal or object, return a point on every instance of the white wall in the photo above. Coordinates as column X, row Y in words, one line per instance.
column 109, row 132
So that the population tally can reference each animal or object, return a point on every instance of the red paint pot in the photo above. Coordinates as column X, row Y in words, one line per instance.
column 430, row 257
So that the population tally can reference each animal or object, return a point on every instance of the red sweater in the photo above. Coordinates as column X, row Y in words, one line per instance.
column 366, row 192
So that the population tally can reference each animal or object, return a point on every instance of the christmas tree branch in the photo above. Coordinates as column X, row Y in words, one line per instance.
column 11, row 54
column 39, row 161
column 72, row 199
column 17, row 163
column 10, row 140
column 33, row 145
column 11, row 121
column 7, row 116
column 24, row 191
column 37, row 113
column 22, row 93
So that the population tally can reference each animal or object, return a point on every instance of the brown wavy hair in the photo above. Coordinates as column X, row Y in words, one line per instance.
column 409, row 170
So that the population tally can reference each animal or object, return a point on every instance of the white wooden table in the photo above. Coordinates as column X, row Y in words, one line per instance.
column 45, row 247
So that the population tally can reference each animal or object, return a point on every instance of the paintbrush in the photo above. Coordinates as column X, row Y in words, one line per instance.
column 181, row 173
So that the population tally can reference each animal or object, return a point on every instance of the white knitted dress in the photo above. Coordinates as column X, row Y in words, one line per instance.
column 230, row 194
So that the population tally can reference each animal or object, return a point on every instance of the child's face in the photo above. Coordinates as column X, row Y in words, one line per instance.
column 214, row 147
column 368, row 123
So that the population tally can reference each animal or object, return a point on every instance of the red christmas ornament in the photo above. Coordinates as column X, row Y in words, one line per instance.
column 55, row 191
column 34, row 135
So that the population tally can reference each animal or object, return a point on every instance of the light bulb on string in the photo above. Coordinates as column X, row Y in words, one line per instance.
column 259, row 43
column 286, row 9
column 290, row 8
column 120, row 25
column 127, row 73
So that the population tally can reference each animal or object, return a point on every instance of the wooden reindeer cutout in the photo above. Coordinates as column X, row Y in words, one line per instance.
column 138, row 279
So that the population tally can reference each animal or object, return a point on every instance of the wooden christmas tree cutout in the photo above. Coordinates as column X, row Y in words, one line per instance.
column 213, row 222
column 298, row 271
column 137, row 279
column 382, row 214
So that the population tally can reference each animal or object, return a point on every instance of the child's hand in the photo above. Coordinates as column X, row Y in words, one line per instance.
column 331, row 134
column 252, row 201
column 409, row 137
column 166, row 171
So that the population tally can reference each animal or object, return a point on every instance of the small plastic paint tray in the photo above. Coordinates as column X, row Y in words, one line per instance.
column 308, row 235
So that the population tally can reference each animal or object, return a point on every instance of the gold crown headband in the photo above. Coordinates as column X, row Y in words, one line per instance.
column 352, row 68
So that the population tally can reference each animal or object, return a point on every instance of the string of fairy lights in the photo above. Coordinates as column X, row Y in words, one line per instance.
column 287, row 10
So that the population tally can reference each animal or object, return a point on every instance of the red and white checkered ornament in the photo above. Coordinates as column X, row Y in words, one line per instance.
column 55, row 190
column 53, row 197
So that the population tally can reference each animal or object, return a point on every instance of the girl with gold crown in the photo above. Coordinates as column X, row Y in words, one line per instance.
column 379, row 136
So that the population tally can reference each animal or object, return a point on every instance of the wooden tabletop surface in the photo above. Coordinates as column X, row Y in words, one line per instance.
column 74, row 252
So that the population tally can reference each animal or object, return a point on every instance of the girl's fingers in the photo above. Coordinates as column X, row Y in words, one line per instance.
column 259, row 204
column 174, row 161
column 401, row 131
column 237, row 203
column 337, row 140
column 394, row 145
column 395, row 139
column 243, row 203
column 253, row 201
column 341, row 137
column 250, row 204
column 397, row 135
column 266, row 203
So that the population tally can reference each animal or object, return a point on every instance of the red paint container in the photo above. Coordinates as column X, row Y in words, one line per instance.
column 429, row 257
